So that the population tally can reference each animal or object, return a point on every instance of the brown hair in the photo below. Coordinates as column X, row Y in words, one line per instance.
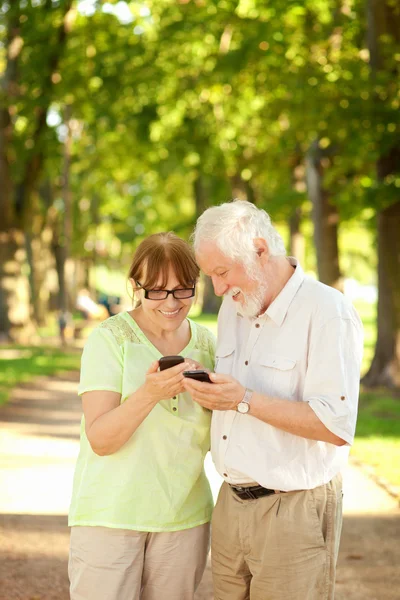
column 158, row 253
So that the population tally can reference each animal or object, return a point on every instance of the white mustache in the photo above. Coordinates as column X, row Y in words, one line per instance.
column 233, row 292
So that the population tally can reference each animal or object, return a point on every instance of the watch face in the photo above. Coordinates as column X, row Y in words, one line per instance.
column 243, row 407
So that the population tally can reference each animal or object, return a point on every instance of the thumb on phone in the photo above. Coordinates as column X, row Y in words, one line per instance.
column 153, row 368
column 220, row 378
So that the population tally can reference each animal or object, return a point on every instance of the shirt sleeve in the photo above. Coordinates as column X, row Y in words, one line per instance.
column 101, row 364
column 212, row 344
column 333, row 375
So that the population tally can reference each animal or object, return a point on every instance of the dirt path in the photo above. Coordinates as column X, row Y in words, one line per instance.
column 39, row 432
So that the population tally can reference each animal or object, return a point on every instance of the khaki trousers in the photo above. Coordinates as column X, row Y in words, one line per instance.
column 120, row 564
column 279, row 547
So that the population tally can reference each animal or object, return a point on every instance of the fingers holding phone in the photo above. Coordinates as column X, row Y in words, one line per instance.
column 224, row 394
column 166, row 382
column 167, row 362
column 198, row 375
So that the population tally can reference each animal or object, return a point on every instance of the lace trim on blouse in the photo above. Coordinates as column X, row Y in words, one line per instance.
column 120, row 329
column 123, row 332
column 205, row 340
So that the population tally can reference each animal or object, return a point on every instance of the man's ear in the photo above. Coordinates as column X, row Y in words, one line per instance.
column 262, row 249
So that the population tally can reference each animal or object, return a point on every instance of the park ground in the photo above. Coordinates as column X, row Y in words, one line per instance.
column 39, row 434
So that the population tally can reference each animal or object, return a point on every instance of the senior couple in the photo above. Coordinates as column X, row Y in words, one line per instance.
column 282, row 407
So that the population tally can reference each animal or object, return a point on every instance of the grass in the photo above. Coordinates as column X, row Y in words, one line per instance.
column 20, row 364
column 377, row 441
column 209, row 321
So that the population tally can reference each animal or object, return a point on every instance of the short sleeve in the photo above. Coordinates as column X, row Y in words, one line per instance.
column 212, row 344
column 205, row 343
column 333, row 375
column 101, row 364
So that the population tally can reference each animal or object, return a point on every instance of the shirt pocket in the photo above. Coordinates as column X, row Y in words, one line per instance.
column 278, row 375
column 224, row 357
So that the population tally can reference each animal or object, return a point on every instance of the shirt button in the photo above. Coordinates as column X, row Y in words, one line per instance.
column 173, row 397
column 225, row 474
column 246, row 362
column 257, row 324
column 224, row 437
column 343, row 397
column 174, row 408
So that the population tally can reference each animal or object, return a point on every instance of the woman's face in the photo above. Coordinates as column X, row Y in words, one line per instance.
column 168, row 314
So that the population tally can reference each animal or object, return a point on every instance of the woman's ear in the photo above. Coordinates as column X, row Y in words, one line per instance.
column 135, row 286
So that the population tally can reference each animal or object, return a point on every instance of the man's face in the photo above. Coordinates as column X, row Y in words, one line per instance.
column 246, row 286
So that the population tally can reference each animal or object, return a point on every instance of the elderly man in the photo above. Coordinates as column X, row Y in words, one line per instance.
column 284, row 397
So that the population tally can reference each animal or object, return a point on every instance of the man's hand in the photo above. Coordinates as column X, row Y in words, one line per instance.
column 224, row 393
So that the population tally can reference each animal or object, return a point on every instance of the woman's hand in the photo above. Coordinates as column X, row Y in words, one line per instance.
column 162, row 385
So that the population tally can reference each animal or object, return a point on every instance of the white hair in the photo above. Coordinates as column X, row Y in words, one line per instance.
column 233, row 226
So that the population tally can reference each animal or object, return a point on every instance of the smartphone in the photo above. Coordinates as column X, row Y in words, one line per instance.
column 166, row 362
column 198, row 375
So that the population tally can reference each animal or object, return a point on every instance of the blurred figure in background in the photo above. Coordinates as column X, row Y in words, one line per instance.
column 112, row 304
column 65, row 326
column 88, row 308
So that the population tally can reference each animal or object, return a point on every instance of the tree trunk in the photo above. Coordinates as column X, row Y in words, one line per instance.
column 41, row 263
column 325, row 219
column 200, row 195
column 15, row 321
column 241, row 189
column 385, row 367
column 63, row 249
column 296, row 243
column 34, row 296
column 16, row 198
column 384, row 20
column 209, row 301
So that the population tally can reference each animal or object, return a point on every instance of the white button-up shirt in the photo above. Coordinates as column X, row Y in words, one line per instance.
column 306, row 347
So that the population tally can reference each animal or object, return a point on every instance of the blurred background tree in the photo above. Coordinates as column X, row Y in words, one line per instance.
column 119, row 119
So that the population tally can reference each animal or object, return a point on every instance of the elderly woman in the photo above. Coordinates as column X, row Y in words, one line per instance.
column 141, row 502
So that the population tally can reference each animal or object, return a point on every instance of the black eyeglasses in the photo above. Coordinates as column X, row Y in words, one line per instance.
column 178, row 294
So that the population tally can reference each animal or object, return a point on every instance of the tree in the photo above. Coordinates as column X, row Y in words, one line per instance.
column 34, row 40
column 384, row 39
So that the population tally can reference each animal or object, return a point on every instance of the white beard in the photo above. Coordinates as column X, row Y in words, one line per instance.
column 252, row 304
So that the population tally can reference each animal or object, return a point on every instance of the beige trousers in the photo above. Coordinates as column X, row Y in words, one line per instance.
column 119, row 564
column 279, row 547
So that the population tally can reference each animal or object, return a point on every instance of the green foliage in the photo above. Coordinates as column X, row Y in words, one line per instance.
column 377, row 441
column 160, row 94
column 19, row 364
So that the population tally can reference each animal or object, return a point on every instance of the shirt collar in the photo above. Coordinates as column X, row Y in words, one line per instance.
column 277, row 310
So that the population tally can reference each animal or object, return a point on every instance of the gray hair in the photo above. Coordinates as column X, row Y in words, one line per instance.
column 233, row 226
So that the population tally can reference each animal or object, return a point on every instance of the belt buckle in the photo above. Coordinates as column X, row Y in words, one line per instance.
column 250, row 494
column 244, row 490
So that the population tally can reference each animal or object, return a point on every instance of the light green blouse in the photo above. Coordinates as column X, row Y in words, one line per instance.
column 156, row 481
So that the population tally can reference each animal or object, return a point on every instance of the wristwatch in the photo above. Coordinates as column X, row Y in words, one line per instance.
column 244, row 406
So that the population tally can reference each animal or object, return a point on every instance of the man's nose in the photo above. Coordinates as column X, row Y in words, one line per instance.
column 219, row 286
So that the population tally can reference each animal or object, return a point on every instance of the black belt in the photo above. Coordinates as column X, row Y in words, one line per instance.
column 253, row 492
